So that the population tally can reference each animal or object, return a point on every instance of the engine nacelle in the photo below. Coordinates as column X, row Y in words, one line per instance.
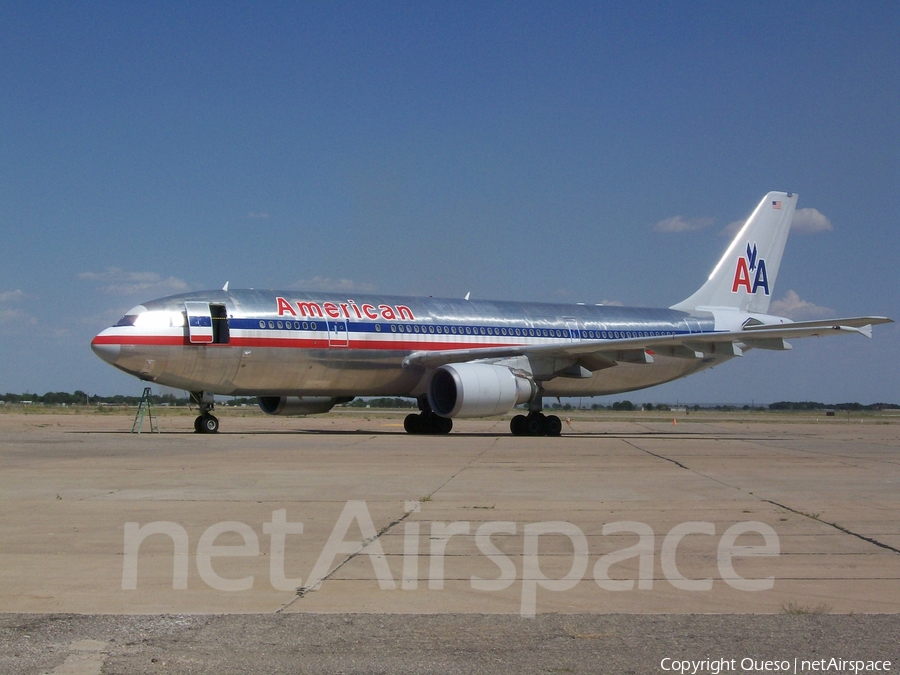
column 477, row 390
column 297, row 405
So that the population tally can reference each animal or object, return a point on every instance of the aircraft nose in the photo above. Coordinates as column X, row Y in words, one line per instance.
column 107, row 352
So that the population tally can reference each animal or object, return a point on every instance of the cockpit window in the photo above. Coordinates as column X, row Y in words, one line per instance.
column 127, row 320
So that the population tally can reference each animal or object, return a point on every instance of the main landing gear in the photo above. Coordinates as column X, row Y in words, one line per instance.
column 426, row 422
column 206, row 423
column 535, row 423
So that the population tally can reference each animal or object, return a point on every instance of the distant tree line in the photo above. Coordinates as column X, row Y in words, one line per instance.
column 815, row 405
column 384, row 402
column 79, row 397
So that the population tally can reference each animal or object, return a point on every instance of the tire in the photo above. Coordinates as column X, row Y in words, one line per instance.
column 210, row 424
column 517, row 425
column 534, row 425
column 442, row 425
column 553, row 425
column 198, row 428
column 412, row 424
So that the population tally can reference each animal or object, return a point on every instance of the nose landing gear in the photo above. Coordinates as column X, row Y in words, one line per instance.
column 206, row 423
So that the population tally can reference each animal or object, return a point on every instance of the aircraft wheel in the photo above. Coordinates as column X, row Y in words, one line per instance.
column 517, row 425
column 442, row 425
column 209, row 424
column 552, row 425
column 534, row 424
column 198, row 429
column 413, row 424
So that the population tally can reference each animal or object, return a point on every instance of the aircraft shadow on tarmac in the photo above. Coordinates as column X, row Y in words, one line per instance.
column 669, row 435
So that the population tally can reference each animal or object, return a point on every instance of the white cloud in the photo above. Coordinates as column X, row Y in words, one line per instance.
column 12, row 317
column 810, row 221
column 806, row 221
column 732, row 229
column 793, row 307
column 682, row 224
column 117, row 281
column 15, row 316
column 319, row 283
column 613, row 303
column 258, row 215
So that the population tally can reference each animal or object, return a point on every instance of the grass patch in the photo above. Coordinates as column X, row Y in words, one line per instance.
column 796, row 609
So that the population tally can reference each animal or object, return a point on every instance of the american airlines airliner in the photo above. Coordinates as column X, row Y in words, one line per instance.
column 302, row 353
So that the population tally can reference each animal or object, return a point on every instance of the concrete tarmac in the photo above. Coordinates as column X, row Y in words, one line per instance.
column 750, row 515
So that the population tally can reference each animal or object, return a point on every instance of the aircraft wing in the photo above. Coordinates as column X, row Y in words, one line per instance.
column 598, row 354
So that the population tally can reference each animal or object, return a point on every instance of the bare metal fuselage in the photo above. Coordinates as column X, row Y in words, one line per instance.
column 313, row 344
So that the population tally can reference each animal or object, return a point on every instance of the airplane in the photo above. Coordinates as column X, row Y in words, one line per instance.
column 302, row 353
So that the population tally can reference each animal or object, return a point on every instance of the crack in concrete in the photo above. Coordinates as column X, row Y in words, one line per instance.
column 668, row 459
column 303, row 591
column 840, row 528
column 464, row 467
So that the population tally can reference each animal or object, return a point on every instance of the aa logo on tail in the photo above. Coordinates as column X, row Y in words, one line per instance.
column 750, row 273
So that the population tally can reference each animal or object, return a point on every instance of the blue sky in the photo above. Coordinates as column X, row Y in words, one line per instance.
column 575, row 152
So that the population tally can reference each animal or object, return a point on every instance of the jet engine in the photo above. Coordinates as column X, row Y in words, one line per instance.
column 477, row 390
column 298, row 405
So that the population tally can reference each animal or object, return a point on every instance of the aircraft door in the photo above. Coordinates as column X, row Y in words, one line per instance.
column 337, row 333
column 207, row 323
column 199, row 322
column 572, row 328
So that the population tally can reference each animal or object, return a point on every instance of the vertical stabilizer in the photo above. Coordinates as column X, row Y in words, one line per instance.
column 744, row 279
